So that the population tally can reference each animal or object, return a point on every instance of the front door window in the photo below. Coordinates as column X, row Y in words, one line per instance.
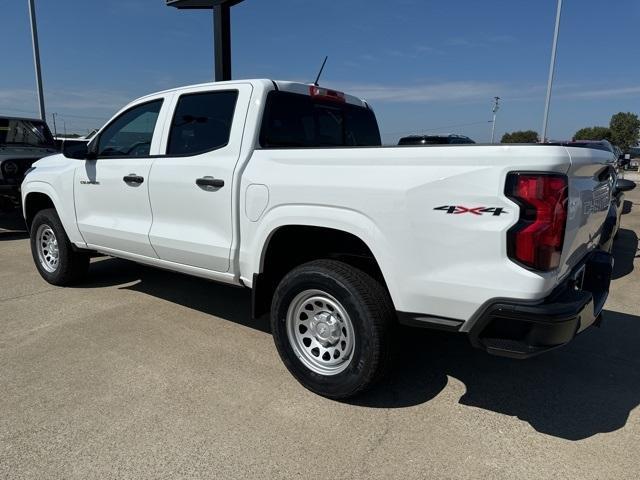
column 130, row 134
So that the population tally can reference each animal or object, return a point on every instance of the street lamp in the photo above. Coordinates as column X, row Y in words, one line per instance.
column 496, row 107
column 552, row 69
column 36, row 58
column 221, row 30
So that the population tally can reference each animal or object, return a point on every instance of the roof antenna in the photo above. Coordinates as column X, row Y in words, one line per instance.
column 320, row 72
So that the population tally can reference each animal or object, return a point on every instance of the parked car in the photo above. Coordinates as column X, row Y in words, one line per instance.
column 22, row 142
column 618, row 157
column 634, row 161
column 279, row 187
column 604, row 145
column 447, row 139
column 624, row 159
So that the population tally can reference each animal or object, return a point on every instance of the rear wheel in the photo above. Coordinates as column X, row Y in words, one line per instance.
column 332, row 325
column 56, row 260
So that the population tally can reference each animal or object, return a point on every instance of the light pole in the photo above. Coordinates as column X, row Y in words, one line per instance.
column 221, row 31
column 552, row 70
column 496, row 107
column 36, row 58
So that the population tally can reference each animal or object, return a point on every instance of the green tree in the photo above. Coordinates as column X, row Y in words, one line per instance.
column 520, row 136
column 625, row 130
column 593, row 133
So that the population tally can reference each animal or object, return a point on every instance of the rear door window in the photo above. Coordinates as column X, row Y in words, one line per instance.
column 202, row 122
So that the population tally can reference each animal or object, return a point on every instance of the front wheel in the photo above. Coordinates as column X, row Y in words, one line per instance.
column 56, row 260
column 332, row 325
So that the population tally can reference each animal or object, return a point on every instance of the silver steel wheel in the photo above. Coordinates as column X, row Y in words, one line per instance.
column 47, row 246
column 320, row 332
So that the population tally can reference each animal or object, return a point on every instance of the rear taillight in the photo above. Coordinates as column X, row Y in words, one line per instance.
column 536, row 240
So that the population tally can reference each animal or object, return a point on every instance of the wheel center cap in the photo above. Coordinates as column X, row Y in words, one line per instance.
column 322, row 329
column 326, row 328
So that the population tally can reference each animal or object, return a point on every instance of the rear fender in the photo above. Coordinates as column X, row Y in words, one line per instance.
column 349, row 221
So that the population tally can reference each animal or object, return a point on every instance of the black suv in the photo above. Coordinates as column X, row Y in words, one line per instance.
column 22, row 142
column 452, row 139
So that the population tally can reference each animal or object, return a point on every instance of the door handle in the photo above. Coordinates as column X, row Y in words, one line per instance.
column 133, row 178
column 209, row 183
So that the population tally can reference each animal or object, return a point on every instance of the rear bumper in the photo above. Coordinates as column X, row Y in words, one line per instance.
column 522, row 330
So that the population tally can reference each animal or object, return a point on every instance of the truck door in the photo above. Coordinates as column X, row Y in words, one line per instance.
column 191, row 185
column 111, row 193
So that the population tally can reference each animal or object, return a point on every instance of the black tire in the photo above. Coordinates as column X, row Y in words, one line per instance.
column 372, row 316
column 72, row 265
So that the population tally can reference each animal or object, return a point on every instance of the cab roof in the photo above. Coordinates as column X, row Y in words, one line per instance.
column 283, row 85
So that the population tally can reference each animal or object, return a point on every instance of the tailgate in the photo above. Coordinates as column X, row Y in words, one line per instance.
column 590, row 185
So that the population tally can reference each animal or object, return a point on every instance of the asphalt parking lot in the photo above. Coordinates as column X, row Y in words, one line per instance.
column 143, row 373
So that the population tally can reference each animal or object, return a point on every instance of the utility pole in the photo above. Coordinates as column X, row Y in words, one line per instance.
column 36, row 59
column 496, row 107
column 552, row 71
column 55, row 131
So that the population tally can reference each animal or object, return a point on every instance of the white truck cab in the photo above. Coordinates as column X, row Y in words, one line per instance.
column 284, row 188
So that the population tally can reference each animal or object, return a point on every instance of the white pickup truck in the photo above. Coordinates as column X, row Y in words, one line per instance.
column 284, row 188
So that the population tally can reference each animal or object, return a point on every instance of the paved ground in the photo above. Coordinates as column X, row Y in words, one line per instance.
column 149, row 374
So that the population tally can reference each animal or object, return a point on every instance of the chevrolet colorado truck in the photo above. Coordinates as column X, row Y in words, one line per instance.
column 284, row 188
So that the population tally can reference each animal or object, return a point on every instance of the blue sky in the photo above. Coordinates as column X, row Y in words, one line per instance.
column 424, row 65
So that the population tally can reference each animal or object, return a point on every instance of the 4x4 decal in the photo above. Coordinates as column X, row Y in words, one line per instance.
column 458, row 209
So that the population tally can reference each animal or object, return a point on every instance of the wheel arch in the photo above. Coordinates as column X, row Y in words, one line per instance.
column 37, row 195
column 337, row 233
column 33, row 203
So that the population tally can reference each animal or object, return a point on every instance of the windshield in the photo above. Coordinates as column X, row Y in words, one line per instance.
column 16, row 131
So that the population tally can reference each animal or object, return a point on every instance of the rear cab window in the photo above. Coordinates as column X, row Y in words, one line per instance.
column 293, row 120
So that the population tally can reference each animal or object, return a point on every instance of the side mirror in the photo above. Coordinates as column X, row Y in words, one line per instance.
column 78, row 150
column 623, row 185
